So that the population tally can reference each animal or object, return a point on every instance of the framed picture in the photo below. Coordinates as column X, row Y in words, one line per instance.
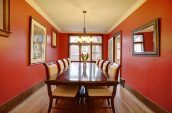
column 37, row 42
column 5, row 18
column 54, row 39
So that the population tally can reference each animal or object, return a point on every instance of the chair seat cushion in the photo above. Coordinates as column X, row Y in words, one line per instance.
column 65, row 91
column 100, row 92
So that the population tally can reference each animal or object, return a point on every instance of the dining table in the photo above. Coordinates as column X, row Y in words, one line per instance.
column 78, row 73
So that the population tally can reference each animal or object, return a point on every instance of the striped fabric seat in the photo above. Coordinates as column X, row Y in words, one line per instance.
column 66, row 63
column 113, row 71
column 61, row 91
column 51, row 70
column 105, row 66
column 61, row 66
column 97, row 62
column 101, row 64
column 106, row 92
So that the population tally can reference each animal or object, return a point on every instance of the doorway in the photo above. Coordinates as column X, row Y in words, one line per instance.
column 117, row 51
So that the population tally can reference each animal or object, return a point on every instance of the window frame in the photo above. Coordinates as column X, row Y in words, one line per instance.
column 139, row 42
column 89, row 44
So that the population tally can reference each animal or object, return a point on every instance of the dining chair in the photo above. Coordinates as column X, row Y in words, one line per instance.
column 97, row 62
column 51, row 70
column 113, row 71
column 106, row 92
column 61, row 66
column 101, row 64
column 66, row 64
column 105, row 66
column 69, row 61
column 59, row 91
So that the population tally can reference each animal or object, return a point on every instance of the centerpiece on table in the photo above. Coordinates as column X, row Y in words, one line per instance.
column 84, row 57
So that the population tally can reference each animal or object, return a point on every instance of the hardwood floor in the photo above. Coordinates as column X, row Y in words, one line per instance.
column 125, row 102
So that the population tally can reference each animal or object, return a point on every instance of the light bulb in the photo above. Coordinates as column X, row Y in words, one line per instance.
column 91, row 39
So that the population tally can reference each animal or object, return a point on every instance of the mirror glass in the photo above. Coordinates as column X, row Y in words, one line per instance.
column 146, row 39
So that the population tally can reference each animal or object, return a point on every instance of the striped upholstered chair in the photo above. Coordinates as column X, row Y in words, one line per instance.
column 106, row 92
column 69, row 61
column 61, row 91
column 66, row 64
column 105, row 66
column 61, row 66
column 51, row 70
column 97, row 62
column 100, row 64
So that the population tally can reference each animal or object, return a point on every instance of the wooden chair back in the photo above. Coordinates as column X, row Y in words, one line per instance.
column 69, row 61
column 101, row 64
column 61, row 66
column 97, row 62
column 66, row 64
column 105, row 66
column 51, row 70
column 113, row 71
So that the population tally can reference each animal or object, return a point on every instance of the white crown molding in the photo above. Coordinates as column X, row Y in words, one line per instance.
column 42, row 13
column 127, row 14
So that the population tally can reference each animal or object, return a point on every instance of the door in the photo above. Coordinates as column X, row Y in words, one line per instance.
column 117, row 49
column 110, row 50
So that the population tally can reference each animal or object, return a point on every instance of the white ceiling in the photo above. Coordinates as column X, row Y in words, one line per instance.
column 101, row 17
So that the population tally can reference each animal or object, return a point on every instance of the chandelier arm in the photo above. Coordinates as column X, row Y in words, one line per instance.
column 83, row 40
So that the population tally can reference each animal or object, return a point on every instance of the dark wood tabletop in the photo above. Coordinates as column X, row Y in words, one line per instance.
column 90, row 74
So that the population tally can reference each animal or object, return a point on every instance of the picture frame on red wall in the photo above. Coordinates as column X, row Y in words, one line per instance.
column 5, row 18
column 54, row 39
column 38, row 40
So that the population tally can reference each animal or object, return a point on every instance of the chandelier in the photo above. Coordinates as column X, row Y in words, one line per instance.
column 84, row 38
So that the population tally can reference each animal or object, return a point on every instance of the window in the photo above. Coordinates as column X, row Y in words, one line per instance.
column 74, row 52
column 94, row 49
column 96, row 52
column 138, row 43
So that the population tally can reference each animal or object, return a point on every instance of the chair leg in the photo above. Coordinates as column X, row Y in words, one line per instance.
column 87, row 105
column 74, row 109
column 77, row 99
column 50, row 105
column 112, row 105
column 108, row 102
column 56, row 100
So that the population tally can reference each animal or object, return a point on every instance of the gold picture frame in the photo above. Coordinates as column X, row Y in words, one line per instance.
column 37, row 42
column 5, row 18
column 54, row 39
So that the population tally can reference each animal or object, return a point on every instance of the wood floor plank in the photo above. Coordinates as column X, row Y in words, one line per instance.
column 125, row 102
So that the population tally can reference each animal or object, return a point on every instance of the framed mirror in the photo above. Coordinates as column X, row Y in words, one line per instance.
column 146, row 39
column 4, row 18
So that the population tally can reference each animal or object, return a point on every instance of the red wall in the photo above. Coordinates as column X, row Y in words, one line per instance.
column 63, row 48
column 151, row 76
column 148, row 41
column 15, row 72
column 105, row 47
